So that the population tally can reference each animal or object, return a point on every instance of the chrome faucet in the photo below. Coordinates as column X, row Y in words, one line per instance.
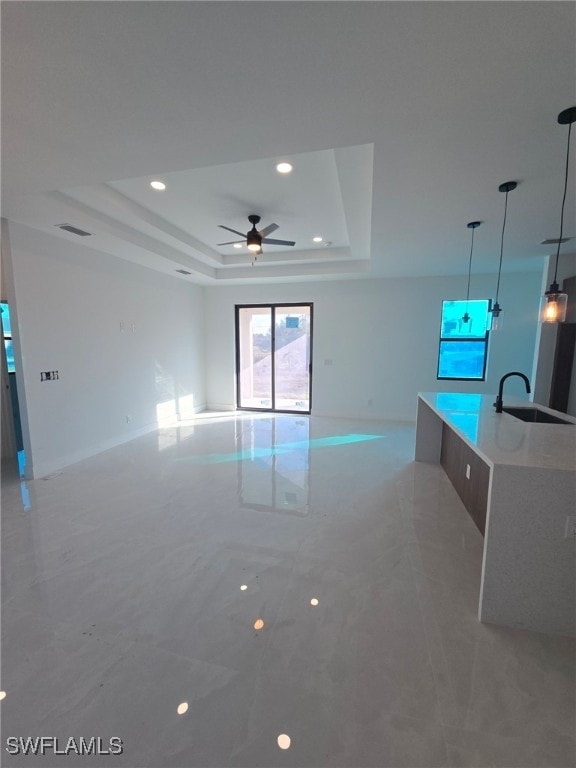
column 498, row 403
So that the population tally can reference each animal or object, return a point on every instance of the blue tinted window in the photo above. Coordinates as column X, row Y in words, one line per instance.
column 6, row 320
column 453, row 324
column 461, row 360
column 7, row 329
column 463, row 342
column 9, row 355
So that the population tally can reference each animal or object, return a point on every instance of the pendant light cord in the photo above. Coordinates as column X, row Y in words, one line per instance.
column 502, row 246
column 469, row 268
column 563, row 201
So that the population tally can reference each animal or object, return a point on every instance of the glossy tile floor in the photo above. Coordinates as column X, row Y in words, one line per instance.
column 133, row 583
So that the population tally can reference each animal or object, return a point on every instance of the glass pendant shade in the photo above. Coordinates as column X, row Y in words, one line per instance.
column 497, row 317
column 553, row 305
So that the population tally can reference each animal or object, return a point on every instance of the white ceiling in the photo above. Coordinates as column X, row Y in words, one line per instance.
column 401, row 120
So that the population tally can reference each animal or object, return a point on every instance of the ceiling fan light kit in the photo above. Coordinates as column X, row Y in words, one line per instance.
column 554, row 302
column 254, row 238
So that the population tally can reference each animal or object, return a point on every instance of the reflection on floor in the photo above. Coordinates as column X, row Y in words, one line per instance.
column 310, row 601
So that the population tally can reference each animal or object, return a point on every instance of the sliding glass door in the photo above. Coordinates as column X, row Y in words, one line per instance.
column 274, row 357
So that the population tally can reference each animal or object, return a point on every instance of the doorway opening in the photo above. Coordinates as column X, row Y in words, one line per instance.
column 274, row 357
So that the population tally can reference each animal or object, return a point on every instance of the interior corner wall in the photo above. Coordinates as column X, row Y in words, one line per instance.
column 127, row 342
column 375, row 341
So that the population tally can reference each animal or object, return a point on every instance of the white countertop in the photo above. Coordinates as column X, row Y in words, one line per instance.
column 500, row 438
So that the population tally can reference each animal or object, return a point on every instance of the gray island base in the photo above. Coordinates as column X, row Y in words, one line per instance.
column 518, row 481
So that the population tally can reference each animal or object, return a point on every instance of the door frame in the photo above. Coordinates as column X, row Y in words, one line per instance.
column 273, row 307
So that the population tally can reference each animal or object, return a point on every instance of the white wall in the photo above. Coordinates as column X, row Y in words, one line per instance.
column 382, row 336
column 68, row 304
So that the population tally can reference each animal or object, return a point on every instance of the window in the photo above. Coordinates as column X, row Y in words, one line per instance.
column 464, row 346
column 7, row 329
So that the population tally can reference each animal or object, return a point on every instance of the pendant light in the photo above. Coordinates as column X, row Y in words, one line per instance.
column 496, row 310
column 553, row 303
column 472, row 225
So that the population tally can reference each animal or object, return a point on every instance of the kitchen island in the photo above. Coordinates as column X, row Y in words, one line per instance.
column 518, row 481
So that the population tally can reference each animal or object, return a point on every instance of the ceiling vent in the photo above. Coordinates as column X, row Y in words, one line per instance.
column 74, row 230
column 183, row 272
column 555, row 240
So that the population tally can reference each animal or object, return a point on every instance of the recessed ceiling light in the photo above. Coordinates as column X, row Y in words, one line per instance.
column 284, row 741
column 182, row 708
column 317, row 239
column 237, row 245
column 158, row 185
column 284, row 167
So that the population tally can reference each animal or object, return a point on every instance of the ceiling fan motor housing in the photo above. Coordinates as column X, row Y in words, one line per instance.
column 253, row 237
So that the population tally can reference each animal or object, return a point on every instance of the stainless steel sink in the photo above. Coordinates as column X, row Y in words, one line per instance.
column 535, row 415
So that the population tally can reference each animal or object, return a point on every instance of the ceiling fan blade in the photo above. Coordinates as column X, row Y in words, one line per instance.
column 267, row 230
column 242, row 234
column 278, row 242
column 232, row 242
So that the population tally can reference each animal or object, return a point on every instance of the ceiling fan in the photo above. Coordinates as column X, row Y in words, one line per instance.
column 255, row 238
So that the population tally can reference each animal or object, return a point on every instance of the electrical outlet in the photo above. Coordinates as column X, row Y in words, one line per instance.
column 570, row 528
column 49, row 376
column 468, row 471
